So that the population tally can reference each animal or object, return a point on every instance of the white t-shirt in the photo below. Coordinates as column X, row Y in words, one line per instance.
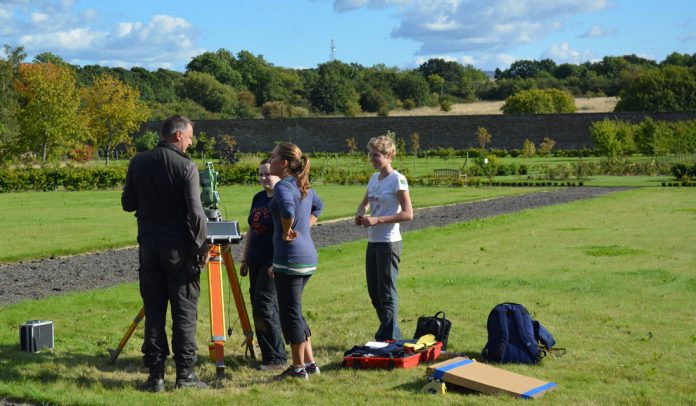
column 381, row 195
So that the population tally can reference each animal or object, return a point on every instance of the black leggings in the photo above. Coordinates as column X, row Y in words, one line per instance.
column 292, row 322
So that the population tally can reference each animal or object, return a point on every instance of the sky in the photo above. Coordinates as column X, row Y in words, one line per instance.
column 487, row 34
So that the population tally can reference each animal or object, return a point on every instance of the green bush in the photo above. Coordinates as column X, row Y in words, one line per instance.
column 146, row 141
column 683, row 172
column 237, row 174
column 275, row 109
column 445, row 104
column 537, row 101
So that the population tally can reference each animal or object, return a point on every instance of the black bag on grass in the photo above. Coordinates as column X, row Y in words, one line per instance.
column 437, row 326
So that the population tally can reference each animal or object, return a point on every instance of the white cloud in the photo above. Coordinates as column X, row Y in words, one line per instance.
column 479, row 25
column 483, row 29
column 72, row 40
column 163, row 41
column 564, row 54
column 598, row 32
column 39, row 18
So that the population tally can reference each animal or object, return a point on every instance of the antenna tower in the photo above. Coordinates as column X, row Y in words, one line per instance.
column 332, row 56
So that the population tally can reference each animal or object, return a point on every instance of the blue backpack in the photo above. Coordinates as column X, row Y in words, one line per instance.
column 513, row 336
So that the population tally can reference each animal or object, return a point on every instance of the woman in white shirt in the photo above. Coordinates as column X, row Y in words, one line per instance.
column 389, row 204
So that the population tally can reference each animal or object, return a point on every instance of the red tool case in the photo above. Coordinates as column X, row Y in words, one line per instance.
column 407, row 361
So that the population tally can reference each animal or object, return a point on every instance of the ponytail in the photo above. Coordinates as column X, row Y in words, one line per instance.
column 303, row 176
column 298, row 165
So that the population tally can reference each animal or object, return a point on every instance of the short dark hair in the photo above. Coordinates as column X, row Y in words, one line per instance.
column 173, row 124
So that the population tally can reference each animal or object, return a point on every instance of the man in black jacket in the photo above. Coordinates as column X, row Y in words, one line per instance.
column 162, row 187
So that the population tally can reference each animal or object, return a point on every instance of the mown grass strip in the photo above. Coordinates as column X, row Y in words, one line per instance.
column 42, row 225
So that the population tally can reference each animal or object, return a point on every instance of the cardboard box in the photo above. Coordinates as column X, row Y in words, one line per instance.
column 35, row 335
column 485, row 378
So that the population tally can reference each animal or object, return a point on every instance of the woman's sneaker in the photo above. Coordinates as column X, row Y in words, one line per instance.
column 312, row 368
column 293, row 372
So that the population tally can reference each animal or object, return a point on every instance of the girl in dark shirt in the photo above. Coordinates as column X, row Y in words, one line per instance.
column 258, row 263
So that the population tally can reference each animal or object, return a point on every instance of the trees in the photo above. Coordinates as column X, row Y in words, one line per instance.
column 205, row 90
column 484, row 138
column 528, row 148
column 219, row 64
column 449, row 77
column 537, row 101
column 613, row 138
column 412, row 86
column 334, row 90
column 9, row 106
column 668, row 88
column 526, row 69
column 546, row 146
column 49, row 109
column 675, row 58
column 113, row 111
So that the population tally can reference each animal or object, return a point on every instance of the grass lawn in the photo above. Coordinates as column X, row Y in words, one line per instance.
column 45, row 224
column 612, row 278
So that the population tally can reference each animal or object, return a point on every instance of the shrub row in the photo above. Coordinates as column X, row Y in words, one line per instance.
column 678, row 184
column 498, row 169
column 583, row 169
column 537, row 183
column 46, row 179
column 500, row 153
column 54, row 178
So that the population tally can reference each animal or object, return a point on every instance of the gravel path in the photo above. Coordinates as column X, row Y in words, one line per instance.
column 40, row 278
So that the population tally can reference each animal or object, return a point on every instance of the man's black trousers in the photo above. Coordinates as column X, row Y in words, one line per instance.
column 169, row 275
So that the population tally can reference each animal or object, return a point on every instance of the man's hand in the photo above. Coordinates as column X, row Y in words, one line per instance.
column 243, row 268
column 202, row 259
column 269, row 271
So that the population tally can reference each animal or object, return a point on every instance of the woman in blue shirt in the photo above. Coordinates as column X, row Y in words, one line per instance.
column 294, row 209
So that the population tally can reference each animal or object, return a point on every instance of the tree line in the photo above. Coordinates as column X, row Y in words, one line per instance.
column 50, row 108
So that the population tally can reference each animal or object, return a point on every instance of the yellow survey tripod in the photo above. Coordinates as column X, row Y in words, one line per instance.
column 221, row 235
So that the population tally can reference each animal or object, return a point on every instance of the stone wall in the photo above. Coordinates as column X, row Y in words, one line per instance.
column 570, row 131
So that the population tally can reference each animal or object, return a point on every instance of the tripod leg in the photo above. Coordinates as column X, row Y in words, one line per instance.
column 113, row 354
column 217, row 312
column 239, row 300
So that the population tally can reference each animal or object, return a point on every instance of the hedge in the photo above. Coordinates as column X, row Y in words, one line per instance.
column 46, row 179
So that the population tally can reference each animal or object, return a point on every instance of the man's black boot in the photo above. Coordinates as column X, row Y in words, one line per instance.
column 187, row 379
column 155, row 381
